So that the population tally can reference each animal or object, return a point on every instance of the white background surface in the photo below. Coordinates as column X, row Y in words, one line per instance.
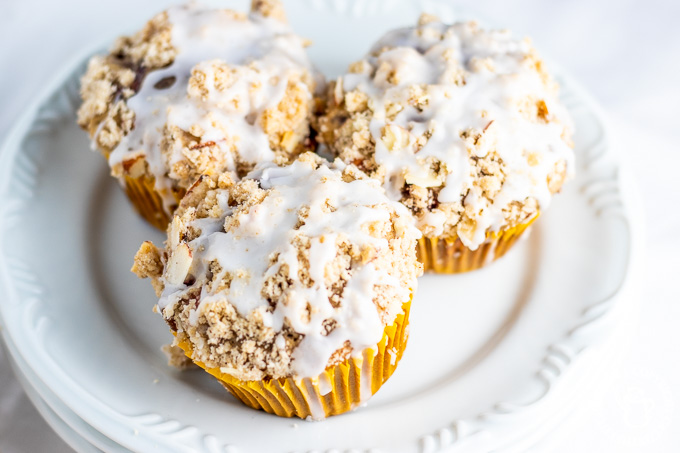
column 626, row 53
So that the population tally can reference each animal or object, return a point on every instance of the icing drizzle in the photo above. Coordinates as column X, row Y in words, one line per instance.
column 445, row 79
column 263, row 51
column 262, row 244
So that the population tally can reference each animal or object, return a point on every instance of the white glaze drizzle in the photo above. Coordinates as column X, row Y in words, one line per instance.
column 313, row 401
column 324, row 385
column 365, row 386
column 422, row 55
column 262, row 50
column 267, row 229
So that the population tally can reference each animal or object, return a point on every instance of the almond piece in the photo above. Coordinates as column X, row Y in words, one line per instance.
column 395, row 137
column 134, row 167
column 422, row 178
column 174, row 233
column 288, row 141
column 338, row 93
column 178, row 265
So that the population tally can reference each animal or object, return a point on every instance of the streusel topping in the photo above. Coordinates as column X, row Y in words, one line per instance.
column 463, row 125
column 286, row 272
column 198, row 90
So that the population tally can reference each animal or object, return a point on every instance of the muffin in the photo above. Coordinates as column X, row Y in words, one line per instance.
column 462, row 125
column 291, row 286
column 198, row 90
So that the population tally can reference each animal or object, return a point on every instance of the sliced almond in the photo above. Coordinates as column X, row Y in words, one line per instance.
column 134, row 167
column 174, row 233
column 288, row 141
column 422, row 179
column 178, row 265
column 395, row 137
column 338, row 93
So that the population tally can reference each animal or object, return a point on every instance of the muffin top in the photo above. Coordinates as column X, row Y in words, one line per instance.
column 462, row 125
column 199, row 90
column 285, row 272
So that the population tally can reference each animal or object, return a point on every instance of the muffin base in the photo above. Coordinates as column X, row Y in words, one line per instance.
column 451, row 256
column 338, row 389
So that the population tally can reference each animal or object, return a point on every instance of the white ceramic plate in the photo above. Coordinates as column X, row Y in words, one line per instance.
column 77, row 433
column 68, row 434
column 494, row 358
column 56, row 422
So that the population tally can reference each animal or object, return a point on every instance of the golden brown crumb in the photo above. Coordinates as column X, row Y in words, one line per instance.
column 269, row 8
column 148, row 261
column 177, row 358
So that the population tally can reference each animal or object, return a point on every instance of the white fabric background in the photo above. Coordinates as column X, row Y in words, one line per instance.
column 625, row 52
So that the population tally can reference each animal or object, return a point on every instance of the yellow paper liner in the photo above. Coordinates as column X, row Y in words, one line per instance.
column 148, row 202
column 451, row 256
column 338, row 389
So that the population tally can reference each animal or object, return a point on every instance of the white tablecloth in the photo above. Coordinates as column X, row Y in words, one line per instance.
column 625, row 52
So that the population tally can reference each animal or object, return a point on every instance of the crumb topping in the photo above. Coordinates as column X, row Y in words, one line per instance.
column 200, row 90
column 461, row 124
column 285, row 272
column 177, row 358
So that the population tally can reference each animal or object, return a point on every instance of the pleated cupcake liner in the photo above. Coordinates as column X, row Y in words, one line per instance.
column 339, row 389
column 451, row 256
column 148, row 202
